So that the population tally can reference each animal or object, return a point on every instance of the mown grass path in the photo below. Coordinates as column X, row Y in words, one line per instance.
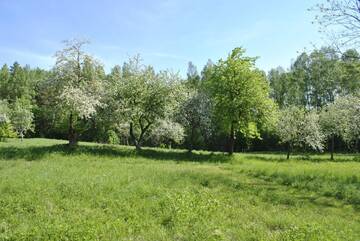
column 98, row 192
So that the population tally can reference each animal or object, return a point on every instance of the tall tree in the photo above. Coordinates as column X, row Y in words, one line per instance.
column 77, row 84
column 4, row 79
column 19, row 85
column 278, row 80
column 239, row 93
column 313, row 81
column 193, row 77
column 324, row 76
column 350, row 66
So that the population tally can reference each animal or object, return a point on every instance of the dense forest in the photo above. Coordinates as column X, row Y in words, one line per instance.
column 230, row 105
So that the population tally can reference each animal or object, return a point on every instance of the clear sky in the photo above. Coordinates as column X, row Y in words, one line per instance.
column 167, row 33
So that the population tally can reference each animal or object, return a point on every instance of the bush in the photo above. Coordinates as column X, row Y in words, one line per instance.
column 6, row 131
column 112, row 137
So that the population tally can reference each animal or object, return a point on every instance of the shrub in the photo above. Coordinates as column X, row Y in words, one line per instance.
column 6, row 131
column 112, row 137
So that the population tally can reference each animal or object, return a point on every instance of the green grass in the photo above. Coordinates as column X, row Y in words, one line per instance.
column 99, row 192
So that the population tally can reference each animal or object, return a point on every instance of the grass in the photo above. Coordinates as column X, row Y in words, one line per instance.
column 99, row 192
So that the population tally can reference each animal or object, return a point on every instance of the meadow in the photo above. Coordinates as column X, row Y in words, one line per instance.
column 102, row 192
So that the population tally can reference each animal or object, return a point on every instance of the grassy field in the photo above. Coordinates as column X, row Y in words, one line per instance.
column 99, row 192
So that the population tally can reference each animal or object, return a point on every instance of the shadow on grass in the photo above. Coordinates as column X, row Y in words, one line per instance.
column 33, row 153
column 305, row 157
column 272, row 192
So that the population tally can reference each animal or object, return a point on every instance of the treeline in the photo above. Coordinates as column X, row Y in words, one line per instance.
column 229, row 106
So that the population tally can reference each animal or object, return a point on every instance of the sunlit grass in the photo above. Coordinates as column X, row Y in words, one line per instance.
column 99, row 192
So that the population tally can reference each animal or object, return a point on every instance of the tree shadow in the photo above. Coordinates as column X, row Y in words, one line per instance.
column 304, row 157
column 272, row 192
column 33, row 153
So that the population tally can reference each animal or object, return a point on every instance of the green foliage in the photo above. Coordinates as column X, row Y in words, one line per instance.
column 239, row 93
column 112, row 137
column 316, row 78
column 19, row 84
column 226, row 104
column 6, row 129
column 4, row 78
column 22, row 117
column 196, row 117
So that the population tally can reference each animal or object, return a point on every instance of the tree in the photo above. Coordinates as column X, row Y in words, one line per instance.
column 350, row 78
column 195, row 110
column 332, row 122
column 349, row 114
column 19, row 85
column 22, row 117
column 195, row 116
column 278, row 80
column 340, row 19
column 313, row 81
column 144, row 97
column 324, row 75
column 4, row 78
column 239, row 93
column 298, row 128
column 167, row 132
column 6, row 129
column 77, row 82
column 193, row 77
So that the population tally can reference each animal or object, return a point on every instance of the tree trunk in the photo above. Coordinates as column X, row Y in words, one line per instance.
column 138, row 141
column 133, row 138
column 135, row 141
column 289, row 150
column 332, row 147
column 72, row 133
column 191, row 141
column 231, row 139
column 138, row 146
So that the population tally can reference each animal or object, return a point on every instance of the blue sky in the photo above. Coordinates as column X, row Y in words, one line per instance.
column 167, row 33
